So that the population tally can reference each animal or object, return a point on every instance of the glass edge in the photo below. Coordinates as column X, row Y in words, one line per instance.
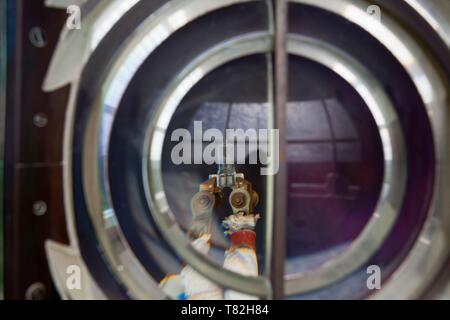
column 3, row 79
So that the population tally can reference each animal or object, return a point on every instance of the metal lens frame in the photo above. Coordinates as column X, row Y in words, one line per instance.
column 432, row 246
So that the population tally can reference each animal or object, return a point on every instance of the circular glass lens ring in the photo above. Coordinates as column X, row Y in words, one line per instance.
column 159, row 208
column 431, row 88
column 335, row 165
column 309, row 20
column 156, row 29
column 389, row 205
column 91, row 81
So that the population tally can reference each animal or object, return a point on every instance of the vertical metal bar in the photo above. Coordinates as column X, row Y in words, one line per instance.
column 280, row 69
